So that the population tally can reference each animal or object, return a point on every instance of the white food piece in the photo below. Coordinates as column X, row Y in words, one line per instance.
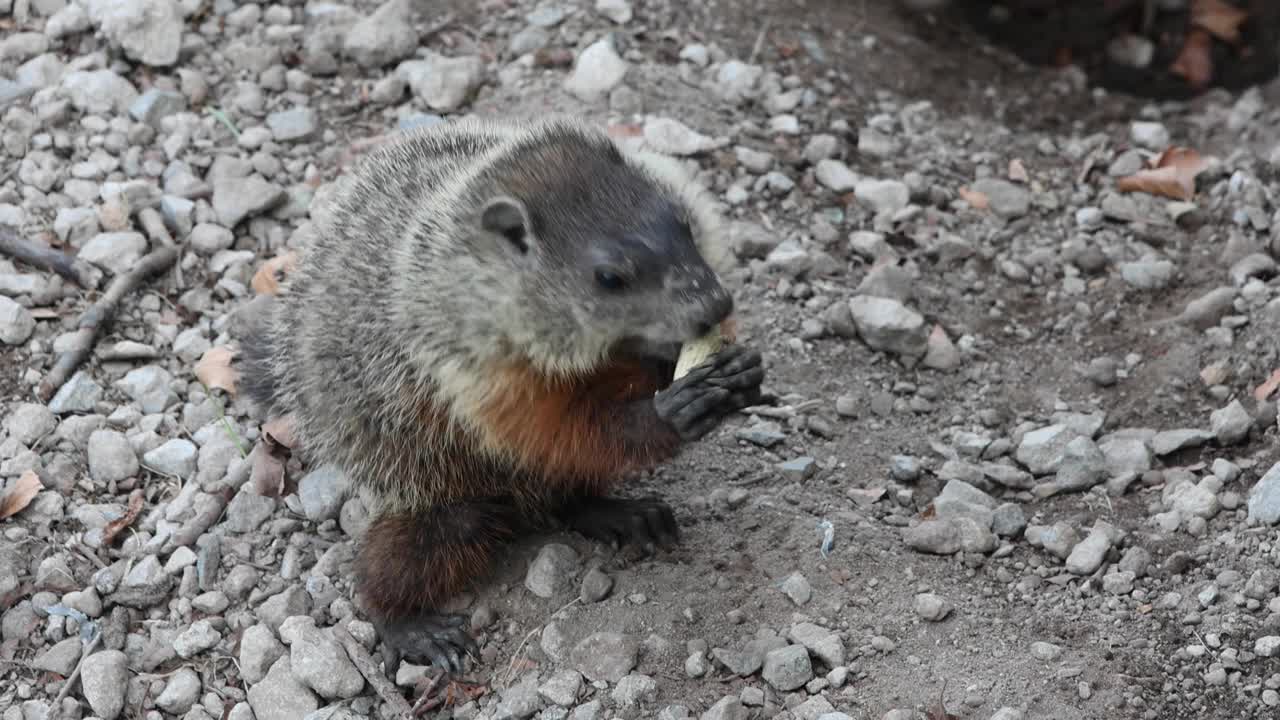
column 696, row 352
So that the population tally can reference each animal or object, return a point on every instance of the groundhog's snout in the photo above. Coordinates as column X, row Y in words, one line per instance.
column 715, row 309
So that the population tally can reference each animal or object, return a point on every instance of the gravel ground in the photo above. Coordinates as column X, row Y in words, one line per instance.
column 1021, row 466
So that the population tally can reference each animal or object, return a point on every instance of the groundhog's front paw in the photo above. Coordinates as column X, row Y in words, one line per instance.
column 727, row 382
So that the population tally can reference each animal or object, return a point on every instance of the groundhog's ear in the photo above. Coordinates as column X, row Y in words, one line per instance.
column 505, row 216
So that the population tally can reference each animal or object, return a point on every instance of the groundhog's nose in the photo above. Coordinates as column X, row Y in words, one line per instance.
column 719, row 307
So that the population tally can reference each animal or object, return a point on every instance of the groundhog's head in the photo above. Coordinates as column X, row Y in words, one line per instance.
column 604, row 253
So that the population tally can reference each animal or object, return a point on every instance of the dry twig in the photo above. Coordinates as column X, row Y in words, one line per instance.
column 75, row 674
column 101, row 313
column 369, row 669
column 46, row 258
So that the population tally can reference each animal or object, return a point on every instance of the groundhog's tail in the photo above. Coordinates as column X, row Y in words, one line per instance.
column 257, row 358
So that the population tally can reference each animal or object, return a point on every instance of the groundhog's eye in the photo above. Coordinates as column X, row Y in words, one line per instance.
column 609, row 280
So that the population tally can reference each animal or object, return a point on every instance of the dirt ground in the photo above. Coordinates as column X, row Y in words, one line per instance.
column 1029, row 340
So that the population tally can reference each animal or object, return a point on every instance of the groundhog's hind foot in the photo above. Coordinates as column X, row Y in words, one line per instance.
column 439, row 640
column 696, row 403
column 642, row 522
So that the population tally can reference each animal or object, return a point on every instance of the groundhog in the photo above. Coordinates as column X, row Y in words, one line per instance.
column 482, row 334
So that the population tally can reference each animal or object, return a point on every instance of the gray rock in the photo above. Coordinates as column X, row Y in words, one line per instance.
column 562, row 688
column 111, row 458
column 634, row 689
column 821, row 147
column 1057, row 539
column 517, row 703
column 1087, row 556
column 619, row 11
column 104, row 679
column 737, row 81
column 605, row 656
column 1125, row 455
column 148, row 31
column 937, row 537
column 238, row 198
column 1042, row 451
column 1005, row 198
column 528, row 40
column 319, row 661
column 175, row 458
column 80, row 394
column 443, row 83
column 1170, row 441
column 1008, row 475
column 197, row 638
column 672, row 137
column 1254, row 265
column 1231, row 424
column 98, row 91
column 1148, row 273
column 384, row 37
column 890, row 326
column 1150, row 135
column 798, row 468
column 155, row 105
column 960, row 499
column 1045, row 652
column 764, row 434
column 552, row 571
column 281, row 696
column 726, row 708
column 787, row 668
column 1136, row 560
column 16, row 322
column 797, row 588
column 295, row 124
column 1267, row 646
column 596, row 585
column 883, row 196
column 322, row 492
column 1119, row 582
column 60, row 659
column 1083, row 465
column 207, row 238
column 180, row 692
column 1008, row 520
column 150, row 386
column 822, row 643
column 835, row 175
column 931, row 607
column 546, row 16
column 115, row 252
column 28, row 422
column 248, row 510
column 1205, row 311
column 1264, row 498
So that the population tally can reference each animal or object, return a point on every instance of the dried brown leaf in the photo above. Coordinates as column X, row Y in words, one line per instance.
column 1173, row 175
column 1218, row 17
column 1195, row 61
column 215, row 371
column 281, row 431
column 131, row 513
column 271, row 457
column 24, row 490
column 1264, row 391
column 267, row 280
column 1018, row 171
column 978, row 200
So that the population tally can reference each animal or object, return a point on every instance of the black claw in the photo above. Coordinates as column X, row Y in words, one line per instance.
column 639, row 522
column 440, row 640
